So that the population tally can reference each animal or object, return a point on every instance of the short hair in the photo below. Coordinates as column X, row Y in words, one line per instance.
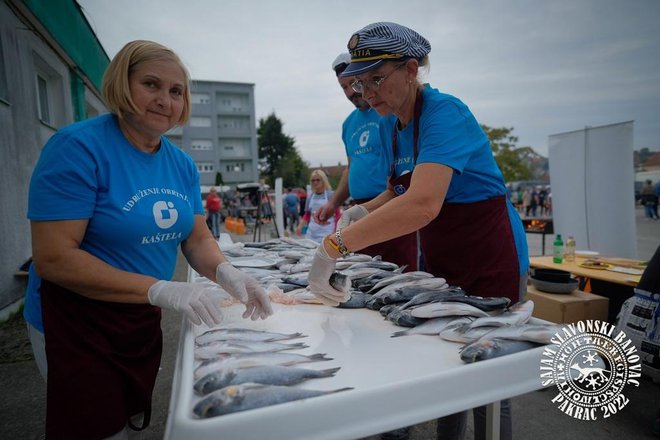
column 321, row 174
column 116, row 86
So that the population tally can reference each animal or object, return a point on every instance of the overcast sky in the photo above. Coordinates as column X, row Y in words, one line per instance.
column 540, row 66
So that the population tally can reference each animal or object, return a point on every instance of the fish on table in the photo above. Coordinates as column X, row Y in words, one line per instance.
column 248, row 396
column 244, row 334
column 266, row 374
column 432, row 326
column 491, row 348
column 213, row 349
column 247, row 360
column 517, row 314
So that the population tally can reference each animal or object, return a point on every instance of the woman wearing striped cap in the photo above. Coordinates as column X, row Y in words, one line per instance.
column 444, row 183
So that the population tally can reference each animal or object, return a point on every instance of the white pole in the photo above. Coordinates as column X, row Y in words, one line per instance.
column 279, row 212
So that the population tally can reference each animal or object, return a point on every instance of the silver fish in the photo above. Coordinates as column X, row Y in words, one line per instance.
column 517, row 314
column 212, row 350
column 487, row 304
column 539, row 333
column 405, row 318
column 243, row 334
column 436, row 295
column 340, row 281
column 492, row 348
column 394, row 292
column 434, row 310
column 300, row 242
column 358, row 300
column 463, row 333
column 247, row 396
column 404, row 277
column 247, row 360
column 431, row 326
column 268, row 374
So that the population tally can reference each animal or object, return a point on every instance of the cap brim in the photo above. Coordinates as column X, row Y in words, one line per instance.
column 359, row 68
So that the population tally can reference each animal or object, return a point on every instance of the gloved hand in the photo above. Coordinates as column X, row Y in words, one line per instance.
column 245, row 289
column 198, row 302
column 319, row 278
column 352, row 214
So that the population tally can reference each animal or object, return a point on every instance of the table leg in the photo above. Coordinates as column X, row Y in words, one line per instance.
column 493, row 421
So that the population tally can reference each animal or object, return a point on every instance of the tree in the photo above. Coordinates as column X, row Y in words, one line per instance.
column 278, row 156
column 512, row 160
column 218, row 179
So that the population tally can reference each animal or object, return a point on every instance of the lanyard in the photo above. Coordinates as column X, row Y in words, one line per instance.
column 418, row 112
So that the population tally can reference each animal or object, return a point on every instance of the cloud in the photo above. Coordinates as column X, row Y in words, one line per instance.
column 540, row 67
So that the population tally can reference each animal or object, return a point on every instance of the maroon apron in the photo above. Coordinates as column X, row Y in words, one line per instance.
column 400, row 250
column 103, row 358
column 470, row 245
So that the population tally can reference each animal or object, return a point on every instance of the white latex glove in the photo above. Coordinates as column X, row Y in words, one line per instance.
column 319, row 278
column 352, row 214
column 199, row 303
column 245, row 289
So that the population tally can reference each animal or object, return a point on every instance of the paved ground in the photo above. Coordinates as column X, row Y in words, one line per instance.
column 22, row 408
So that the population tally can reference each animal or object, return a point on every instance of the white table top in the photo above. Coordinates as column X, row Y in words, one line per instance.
column 397, row 381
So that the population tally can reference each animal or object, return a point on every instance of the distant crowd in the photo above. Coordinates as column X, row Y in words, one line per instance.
column 532, row 201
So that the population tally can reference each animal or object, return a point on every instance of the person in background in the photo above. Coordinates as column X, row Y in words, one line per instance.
column 365, row 177
column 444, row 183
column 290, row 202
column 111, row 200
column 320, row 195
column 649, row 200
column 213, row 207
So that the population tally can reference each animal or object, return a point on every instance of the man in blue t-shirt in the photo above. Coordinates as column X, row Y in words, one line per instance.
column 369, row 166
column 291, row 201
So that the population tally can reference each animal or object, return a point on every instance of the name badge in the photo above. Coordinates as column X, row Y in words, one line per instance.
column 399, row 189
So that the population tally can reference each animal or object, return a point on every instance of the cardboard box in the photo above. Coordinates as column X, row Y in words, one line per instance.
column 568, row 308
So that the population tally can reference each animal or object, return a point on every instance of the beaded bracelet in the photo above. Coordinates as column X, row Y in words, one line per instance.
column 340, row 244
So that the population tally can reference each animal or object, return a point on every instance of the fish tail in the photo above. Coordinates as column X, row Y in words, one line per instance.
column 328, row 372
column 340, row 390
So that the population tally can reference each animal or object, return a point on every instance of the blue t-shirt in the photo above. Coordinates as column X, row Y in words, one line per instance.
column 450, row 135
column 370, row 162
column 140, row 206
column 291, row 202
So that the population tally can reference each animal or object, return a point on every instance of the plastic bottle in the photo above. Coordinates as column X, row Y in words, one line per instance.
column 569, row 256
column 557, row 249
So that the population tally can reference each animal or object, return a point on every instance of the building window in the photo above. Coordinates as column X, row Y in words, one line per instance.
column 43, row 101
column 200, row 98
column 199, row 121
column 235, row 167
column 50, row 93
column 201, row 144
column 204, row 167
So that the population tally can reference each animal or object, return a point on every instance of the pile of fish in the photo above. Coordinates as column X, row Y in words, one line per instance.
column 244, row 369
column 489, row 327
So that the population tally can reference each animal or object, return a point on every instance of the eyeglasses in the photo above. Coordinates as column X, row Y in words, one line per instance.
column 372, row 84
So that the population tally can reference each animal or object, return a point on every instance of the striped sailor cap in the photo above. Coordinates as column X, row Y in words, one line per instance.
column 379, row 42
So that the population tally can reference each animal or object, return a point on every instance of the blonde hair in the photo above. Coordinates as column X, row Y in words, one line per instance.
column 116, row 86
column 324, row 178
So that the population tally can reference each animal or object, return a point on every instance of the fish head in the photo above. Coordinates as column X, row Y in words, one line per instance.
column 210, row 382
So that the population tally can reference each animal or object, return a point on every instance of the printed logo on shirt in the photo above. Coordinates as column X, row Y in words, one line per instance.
column 165, row 214
column 364, row 138
column 590, row 367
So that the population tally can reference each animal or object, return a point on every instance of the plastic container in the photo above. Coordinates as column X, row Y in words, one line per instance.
column 557, row 250
column 569, row 255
